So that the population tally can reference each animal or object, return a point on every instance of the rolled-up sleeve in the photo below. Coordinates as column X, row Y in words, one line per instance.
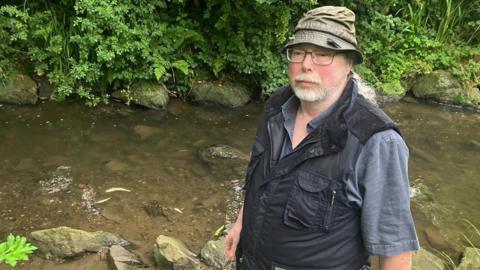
column 381, row 176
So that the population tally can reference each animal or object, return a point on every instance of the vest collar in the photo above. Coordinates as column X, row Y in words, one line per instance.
column 332, row 133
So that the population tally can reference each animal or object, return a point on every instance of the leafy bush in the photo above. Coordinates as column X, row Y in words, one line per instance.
column 396, row 48
column 89, row 48
column 15, row 249
column 13, row 30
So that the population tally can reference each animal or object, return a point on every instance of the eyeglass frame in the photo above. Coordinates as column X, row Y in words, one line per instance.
column 312, row 56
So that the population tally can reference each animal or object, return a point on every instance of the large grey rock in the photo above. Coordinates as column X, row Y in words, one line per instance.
column 226, row 94
column 470, row 260
column 423, row 260
column 19, row 89
column 64, row 242
column 213, row 253
column 119, row 258
column 171, row 253
column 148, row 94
column 439, row 85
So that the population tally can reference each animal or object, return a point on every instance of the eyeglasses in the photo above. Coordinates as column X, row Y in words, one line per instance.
column 320, row 58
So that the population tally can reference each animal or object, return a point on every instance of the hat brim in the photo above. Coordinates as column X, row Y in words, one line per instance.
column 324, row 40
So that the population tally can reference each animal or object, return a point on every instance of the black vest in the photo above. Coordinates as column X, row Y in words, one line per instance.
column 296, row 213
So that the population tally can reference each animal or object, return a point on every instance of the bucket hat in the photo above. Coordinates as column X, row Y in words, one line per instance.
column 329, row 27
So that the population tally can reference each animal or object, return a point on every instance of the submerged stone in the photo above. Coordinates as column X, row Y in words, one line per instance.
column 221, row 152
column 115, row 165
column 225, row 161
column 144, row 132
column 60, row 180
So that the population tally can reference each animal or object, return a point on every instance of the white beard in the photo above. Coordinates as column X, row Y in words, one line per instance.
column 316, row 94
column 311, row 95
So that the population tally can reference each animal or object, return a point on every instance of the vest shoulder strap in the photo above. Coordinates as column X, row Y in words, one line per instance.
column 364, row 119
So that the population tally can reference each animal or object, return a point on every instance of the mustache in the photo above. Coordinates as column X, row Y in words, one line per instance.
column 309, row 78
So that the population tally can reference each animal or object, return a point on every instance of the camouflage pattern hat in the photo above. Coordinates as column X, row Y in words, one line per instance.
column 328, row 27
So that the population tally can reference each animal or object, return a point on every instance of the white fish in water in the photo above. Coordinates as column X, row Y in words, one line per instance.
column 102, row 201
column 117, row 189
column 178, row 210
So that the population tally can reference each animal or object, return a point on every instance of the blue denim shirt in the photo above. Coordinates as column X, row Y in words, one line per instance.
column 379, row 186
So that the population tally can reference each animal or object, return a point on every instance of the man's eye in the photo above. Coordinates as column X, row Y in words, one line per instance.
column 297, row 53
column 321, row 54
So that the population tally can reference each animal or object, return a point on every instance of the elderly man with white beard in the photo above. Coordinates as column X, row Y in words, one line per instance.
column 327, row 183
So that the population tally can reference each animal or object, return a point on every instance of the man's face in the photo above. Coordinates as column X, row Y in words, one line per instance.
column 315, row 83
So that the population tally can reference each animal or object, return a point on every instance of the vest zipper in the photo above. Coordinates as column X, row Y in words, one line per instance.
column 326, row 223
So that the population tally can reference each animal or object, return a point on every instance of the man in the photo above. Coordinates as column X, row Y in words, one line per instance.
column 327, row 184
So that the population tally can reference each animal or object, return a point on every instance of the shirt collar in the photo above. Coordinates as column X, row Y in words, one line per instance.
column 289, row 111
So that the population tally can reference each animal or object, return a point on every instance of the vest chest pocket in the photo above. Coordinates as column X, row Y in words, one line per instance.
column 310, row 203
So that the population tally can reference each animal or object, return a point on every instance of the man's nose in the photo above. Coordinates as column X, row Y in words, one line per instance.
column 307, row 63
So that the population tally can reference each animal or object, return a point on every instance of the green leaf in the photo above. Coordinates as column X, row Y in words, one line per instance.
column 159, row 71
column 15, row 249
column 181, row 65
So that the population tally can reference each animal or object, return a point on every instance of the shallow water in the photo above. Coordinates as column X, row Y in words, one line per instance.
column 444, row 148
column 155, row 155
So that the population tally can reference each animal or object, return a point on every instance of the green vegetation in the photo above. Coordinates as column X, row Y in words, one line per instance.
column 470, row 235
column 407, row 38
column 90, row 48
column 15, row 249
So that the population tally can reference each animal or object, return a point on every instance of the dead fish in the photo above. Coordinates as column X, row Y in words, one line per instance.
column 102, row 201
column 117, row 189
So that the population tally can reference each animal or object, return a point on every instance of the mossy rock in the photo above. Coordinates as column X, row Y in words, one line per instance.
column 65, row 242
column 470, row 96
column 226, row 93
column 19, row 89
column 148, row 94
column 424, row 260
column 391, row 91
column 470, row 260
column 442, row 86
column 172, row 254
